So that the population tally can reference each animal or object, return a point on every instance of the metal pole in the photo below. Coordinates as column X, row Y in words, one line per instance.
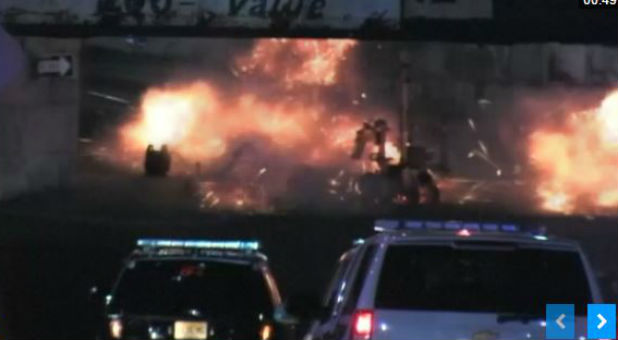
column 404, row 133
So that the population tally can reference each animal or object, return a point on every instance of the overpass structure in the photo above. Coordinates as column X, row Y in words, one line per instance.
column 477, row 21
column 41, row 48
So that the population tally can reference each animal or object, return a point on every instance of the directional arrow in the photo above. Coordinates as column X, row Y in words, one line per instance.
column 603, row 321
column 559, row 321
column 64, row 66
column 58, row 66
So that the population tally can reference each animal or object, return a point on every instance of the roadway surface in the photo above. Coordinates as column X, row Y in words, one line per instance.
column 55, row 245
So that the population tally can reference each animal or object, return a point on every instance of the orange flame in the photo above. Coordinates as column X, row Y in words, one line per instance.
column 204, row 123
column 200, row 125
column 299, row 61
column 393, row 153
column 578, row 163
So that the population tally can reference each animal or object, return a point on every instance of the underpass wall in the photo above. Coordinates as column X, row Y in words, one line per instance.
column 507, row 91
column 38, row 118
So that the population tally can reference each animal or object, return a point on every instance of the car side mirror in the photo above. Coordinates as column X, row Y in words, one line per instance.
column 306, row 307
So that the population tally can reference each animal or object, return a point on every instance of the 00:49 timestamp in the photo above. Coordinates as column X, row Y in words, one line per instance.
column 598, row 3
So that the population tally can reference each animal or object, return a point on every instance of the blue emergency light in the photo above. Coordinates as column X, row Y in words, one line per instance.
column 199, row 244
column 433, row 225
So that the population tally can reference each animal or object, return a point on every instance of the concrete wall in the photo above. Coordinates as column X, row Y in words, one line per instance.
column 449, row 80
column 38, row 121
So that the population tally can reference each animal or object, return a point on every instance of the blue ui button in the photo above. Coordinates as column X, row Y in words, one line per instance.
column 601, row 321
column 560, row 321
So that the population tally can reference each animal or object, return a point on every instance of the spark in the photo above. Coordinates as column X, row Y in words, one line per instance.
column 483, row 156
column 483, row 147
column 470, row 195
column 472, row 124
column 204, row 122
column 299, row 61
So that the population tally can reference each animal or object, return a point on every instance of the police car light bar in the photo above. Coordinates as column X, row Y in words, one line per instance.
column 392, row 225
column 199, row 244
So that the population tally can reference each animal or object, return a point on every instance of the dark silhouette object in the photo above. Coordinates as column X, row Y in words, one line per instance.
column 372, row 133
column 157, row 163
column 149, row 161
column 428, row 191
column 166, row 160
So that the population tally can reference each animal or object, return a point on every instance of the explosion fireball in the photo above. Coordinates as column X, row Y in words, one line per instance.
column 577, row 162
column 203, row 122
column 283, row 121
column 200, row 124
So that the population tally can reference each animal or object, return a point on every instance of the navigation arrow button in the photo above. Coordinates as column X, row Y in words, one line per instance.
column 603, row 321
column 560, row 321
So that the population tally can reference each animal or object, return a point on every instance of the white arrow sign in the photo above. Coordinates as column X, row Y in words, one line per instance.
column 559, row 321
column 61, row 66
column 603, row 321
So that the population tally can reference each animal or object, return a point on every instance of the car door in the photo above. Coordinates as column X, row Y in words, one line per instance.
column 324, row 327
column 356, row 279
column 344, row 293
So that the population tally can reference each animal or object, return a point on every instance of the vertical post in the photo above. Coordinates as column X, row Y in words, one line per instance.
column 404, row 133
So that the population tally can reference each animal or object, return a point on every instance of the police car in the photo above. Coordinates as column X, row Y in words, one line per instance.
column 195, row 289
column 454, row 280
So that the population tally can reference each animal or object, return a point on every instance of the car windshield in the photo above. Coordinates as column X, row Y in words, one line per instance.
column 519, row 281
column 176, row 287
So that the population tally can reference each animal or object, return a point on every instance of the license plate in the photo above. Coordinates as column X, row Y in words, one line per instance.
column 190, row 330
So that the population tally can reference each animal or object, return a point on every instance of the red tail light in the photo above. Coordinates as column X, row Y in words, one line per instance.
column 362, row 324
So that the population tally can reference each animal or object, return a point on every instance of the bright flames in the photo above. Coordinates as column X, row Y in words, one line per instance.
column 578, row 162
column 299, row 61
column 200, row 124
column 205, row 124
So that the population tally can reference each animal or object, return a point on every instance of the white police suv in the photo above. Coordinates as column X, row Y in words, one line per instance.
column 454, row 280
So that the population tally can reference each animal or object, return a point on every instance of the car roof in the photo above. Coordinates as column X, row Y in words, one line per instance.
column 229, row 251
column 212, row 255
column 406, row 236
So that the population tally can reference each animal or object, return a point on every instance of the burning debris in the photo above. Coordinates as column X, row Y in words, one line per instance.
column 577, row 161
column 231, row 134
column 282, row 125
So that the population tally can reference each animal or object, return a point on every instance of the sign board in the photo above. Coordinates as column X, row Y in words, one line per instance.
column 346, row 14
column 489, row 21
column 56, row 66
column 448, row 9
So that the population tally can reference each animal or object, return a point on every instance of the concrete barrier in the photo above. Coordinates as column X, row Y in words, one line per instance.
column 38, row 116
